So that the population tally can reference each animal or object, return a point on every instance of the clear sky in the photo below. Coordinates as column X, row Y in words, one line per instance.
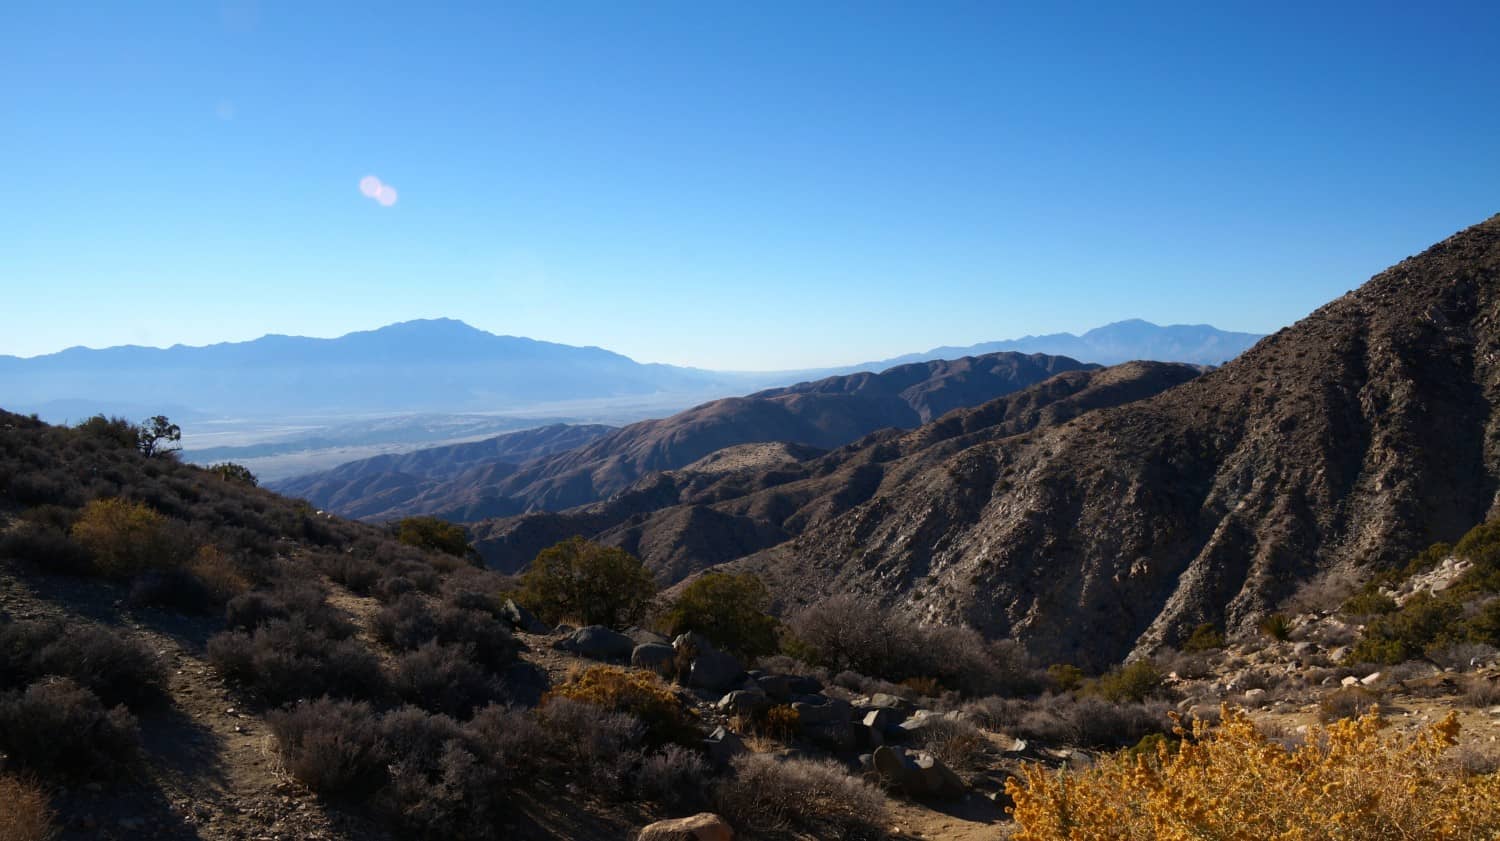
column 730, row 185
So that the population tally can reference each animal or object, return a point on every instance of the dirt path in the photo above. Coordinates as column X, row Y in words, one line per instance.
column 206, row 772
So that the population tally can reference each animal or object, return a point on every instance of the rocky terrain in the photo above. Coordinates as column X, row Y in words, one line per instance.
column 1340, row 444
column 377, row 488
column 681, row 521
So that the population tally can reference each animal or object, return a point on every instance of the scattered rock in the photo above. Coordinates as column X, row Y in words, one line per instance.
column 701, row 827
column 723, row 745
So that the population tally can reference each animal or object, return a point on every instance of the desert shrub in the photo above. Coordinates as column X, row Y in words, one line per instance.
column 729, row 609
column 290, row 599
column 597, row 743
column 410, row 622
column 812, row 796
column 58, row 728
column 510, row 741
column 1189, row 665
column 674, row 777
column 635, row 691
column 1205, row 637
column 433, row 534
column 848, row 632
column 218, row 572
column 579, row 580
column 781, row 721
column 959, row 744
column 286, row 660
column 231, row 472
column 115, row 432
column 1480, row 691
column 357, row 574
column 47, row 549
column 177, row 590
column 1095, row 722
column 1277, row 627
column 443, row 679
column 1347, row 702
column 1134, row 681
column 116, row 668
column 27, row 815
column 125, row 538
column 1347, row 782
column 333, row 747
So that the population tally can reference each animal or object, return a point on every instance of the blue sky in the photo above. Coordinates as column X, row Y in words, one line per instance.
column 730, row 185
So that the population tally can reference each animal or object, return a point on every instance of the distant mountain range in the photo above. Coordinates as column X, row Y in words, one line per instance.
column 821, row 414
column 443, row 365
column 437, row 365
column 1122, row 341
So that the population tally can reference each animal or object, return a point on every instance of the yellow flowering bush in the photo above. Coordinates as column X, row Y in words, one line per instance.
column 1348, row 782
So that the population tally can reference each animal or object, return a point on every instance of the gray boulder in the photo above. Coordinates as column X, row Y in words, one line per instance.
column 918, row 774
column 819, row 709
column 522, row 619
column 598, row 643
column 743, row 702
column 656, row 656
column 722, row 745
column 714, row 670
column 836, row 736
column 779, row 687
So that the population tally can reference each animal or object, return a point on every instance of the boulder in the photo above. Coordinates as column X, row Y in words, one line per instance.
column 884, row 701
column 722, row 745
column 643, row 636
column 598, row 643
column 918, row 774
column 522, row 619
column 714, row 670
column 938, row 780
column 743, row 702
column 701, row 827
column 881, row 721
column 836, row 736
column 692, row 643
column 779, row 687
column 656, row 656
column 819, row 709
column 805, row 685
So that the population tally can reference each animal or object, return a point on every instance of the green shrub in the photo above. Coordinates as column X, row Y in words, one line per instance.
column 729, row 609
column 434, row 535
column 1065, row 677
column 1205, row 637
column 231, row 472
column 1369, row 603
column 1134, row 681
column 582, row 581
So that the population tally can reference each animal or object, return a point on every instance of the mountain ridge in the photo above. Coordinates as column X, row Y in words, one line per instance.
column 822, row 413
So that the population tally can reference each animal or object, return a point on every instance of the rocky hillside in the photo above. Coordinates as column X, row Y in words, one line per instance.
column 824, row 413
column 1342, row 443
column 375, row 488
column 728, row 505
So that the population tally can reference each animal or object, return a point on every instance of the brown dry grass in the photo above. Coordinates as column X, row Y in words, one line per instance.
column 26, row 815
